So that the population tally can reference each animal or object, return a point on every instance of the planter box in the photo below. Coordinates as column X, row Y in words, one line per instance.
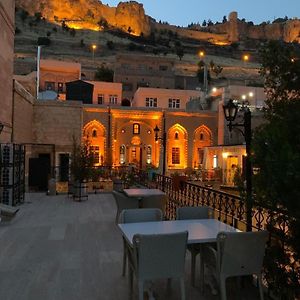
column 80, row 191
column 62, row 187
column 100, row 186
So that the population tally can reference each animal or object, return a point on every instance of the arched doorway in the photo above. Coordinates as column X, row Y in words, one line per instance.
column 177, row 138
column 94, row 131
column 202, row 139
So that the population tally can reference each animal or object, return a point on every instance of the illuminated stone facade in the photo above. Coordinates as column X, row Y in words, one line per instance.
column 7, row 33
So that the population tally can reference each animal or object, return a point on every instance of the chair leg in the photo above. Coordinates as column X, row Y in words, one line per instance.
column 182, row 288
column 124, row 257
column 141, row 289
column 193, row 264
column 223, row 287
column 261, row 293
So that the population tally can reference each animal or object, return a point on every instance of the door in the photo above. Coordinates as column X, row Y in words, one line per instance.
column 64, row 167
column 231, row 168
column 39, row 172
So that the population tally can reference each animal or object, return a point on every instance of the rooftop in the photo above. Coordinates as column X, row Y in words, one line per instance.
column 56, row 248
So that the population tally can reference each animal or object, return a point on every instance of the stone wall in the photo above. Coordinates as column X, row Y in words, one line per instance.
column 22, row 114
column 57, row 122
column 6, row 66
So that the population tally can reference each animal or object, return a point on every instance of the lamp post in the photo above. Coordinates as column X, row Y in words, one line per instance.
column 205, row 72
column 230, row 113
column 94, row 47
column 164, row 142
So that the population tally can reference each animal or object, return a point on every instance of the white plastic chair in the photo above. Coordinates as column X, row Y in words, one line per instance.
column 239, row 254
column 159, row 256
column 189, row 213
column 124, row 202
column 135, row 216
column 157, row 201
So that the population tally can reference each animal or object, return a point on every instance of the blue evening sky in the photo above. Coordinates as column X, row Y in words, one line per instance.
column 183, row 12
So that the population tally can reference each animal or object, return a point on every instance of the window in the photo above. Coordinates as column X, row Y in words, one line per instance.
column 95, row 150
column 60, row 87
column 174, row 103
column 136, row 128
column 149, row 155
column 175, row 156
column 122, row 154
column 113, row 99
column 201, row 136
column 94, row 133
column 215, row 161
column 100, row 99
column 133, row 153
column 49, row 86
column 151, row 102
column 163, row 68
column 176, row 137
column 200, row 155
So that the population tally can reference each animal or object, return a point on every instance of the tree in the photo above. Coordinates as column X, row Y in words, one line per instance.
column 200, row 72
column 224, row 20
column 281, row 69
column 204, row 23
column 43, row 41
column 179, row 52
column 277, row 157
column 23, row 15
column 103, row 24
column 110, row 45
column 104, row 74
column 72, row 32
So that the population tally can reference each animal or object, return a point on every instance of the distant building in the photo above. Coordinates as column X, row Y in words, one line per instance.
column 135, row 71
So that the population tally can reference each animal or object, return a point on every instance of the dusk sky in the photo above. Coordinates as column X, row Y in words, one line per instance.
column 183, row 12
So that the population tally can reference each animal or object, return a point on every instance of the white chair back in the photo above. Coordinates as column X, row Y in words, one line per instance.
column 241, row 253
column 160, row 255
column 193, row 212
column 140, row 215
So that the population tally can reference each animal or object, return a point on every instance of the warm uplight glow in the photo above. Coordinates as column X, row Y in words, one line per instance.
column 246, row 57
column 251, row 94
column 244, row 97
column 201, row 53
column 225, row 154
column 214, row 89
column 94, row 47
column 221, row 43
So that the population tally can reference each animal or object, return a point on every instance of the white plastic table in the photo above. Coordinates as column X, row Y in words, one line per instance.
column 143, row 192
column 199, row 231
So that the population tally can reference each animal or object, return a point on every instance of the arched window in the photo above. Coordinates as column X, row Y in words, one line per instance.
column 201, row 136
column 176, row 137
column 136, row 128
column 122, row 154
column 149, row 154
column 94, row 133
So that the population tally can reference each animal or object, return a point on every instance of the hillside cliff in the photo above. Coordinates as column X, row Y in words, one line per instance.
column 127, row 16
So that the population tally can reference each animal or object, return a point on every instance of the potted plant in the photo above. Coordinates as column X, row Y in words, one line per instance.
column 81, row 168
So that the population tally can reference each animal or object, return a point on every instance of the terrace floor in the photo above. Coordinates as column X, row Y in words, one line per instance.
column 58, row 249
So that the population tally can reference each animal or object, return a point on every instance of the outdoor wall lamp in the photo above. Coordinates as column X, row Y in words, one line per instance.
column 230, row 113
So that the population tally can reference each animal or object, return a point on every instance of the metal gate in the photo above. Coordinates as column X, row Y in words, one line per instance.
column 12, row 174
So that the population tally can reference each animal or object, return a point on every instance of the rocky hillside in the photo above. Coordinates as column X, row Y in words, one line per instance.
column 91, row 14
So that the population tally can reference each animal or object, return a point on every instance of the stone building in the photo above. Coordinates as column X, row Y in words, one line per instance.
column 7, row 34
column 135, row 71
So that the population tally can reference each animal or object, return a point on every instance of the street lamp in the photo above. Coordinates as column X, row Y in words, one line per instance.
column 94, row 47
column 205, row 75
column 230, row 113
column 164, row 141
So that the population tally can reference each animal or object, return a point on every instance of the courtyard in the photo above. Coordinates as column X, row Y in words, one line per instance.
column 56, row 248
